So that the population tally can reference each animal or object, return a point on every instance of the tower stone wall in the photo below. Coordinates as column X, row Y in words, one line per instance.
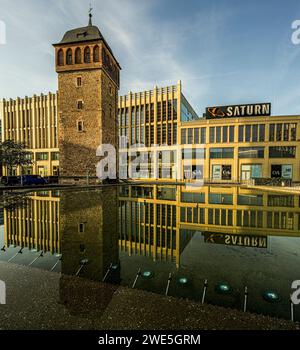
column 88, row 83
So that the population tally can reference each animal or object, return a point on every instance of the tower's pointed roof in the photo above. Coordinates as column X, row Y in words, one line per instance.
column 84, row 34
column 81, row 34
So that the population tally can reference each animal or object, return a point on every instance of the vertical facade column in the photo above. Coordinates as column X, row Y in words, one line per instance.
column 156, row 141
column 236, row 170
column 178, row 93
column 33, row 122
column 17, row 121
column 266, row 172
column 296, row 169
column 34, row 131
column 49, row 125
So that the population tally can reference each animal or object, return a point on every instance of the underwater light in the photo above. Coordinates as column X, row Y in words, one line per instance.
column 183, row 280
column 84, row 261
column 271, row 296
column 223, row 288
column 147, row 274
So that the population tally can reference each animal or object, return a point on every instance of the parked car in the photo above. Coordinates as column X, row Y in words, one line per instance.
column 25, row 180
column 52, row 179
column 10, row 180
column 28, row 180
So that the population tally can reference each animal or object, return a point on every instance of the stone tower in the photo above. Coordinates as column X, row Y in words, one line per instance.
column 88, row 84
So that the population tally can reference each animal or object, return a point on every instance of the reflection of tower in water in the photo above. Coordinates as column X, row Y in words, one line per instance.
column 89, row 245
column 89, row 232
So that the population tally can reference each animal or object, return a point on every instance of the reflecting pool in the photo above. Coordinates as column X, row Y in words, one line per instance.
column 228, row 246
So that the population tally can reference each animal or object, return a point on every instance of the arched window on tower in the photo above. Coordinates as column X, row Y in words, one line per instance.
column 87, row 55
column 78, row 56
column 96, row 53
column 69, row 56
column 60, row 57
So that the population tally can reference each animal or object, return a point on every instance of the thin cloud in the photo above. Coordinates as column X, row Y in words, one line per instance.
column 211, row 49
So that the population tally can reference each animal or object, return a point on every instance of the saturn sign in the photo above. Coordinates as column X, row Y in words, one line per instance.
column 248, row 110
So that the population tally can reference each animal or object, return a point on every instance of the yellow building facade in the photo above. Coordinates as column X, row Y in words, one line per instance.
column 33, row 120
column 240, row 149
column 162, row 137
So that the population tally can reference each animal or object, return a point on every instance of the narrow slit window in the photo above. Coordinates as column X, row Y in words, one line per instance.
column 80, row 126
column 79, row 82
column 81, row 227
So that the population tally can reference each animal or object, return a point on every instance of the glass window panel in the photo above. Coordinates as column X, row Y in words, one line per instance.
column 251, row 152
column 254, row 133
column 196, row 136
column 272, row 132
column 278, row 132
column 218, row 134
column 221, row 152
column 225, row 133
column 231, row 134
column 282, row 152
column 241, row 133
column 183, row 136
column 212, row 135
column 293, row 130
column 286, row 132
column 190, row 136
column 248, row 133
column 203, row 135
column 262, row 132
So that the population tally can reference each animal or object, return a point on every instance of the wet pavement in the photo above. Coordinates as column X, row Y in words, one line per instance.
column 38, row 299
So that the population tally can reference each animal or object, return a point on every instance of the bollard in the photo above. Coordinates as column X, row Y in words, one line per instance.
column 168, row 284
column 107, row 272
column 245, row 299
column 136, row 277
column 204, row 291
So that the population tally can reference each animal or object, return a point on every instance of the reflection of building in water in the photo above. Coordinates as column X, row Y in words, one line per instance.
column 89, row 231
column 155, row 221
column 239, row 210
column 160, row 219
column 35, row 225
column 150, row 226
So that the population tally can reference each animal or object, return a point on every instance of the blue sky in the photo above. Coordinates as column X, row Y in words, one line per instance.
column 224, row 51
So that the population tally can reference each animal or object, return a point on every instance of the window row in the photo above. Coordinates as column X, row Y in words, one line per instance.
column 254, row 152
column 218, row 134
column 166, row 111
column 283, row 132
column 251, row 133
column 193, row 136
column 45, row 156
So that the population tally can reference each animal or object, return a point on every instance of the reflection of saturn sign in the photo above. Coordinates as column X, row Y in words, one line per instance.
column 248, row 110
column 235, row 240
